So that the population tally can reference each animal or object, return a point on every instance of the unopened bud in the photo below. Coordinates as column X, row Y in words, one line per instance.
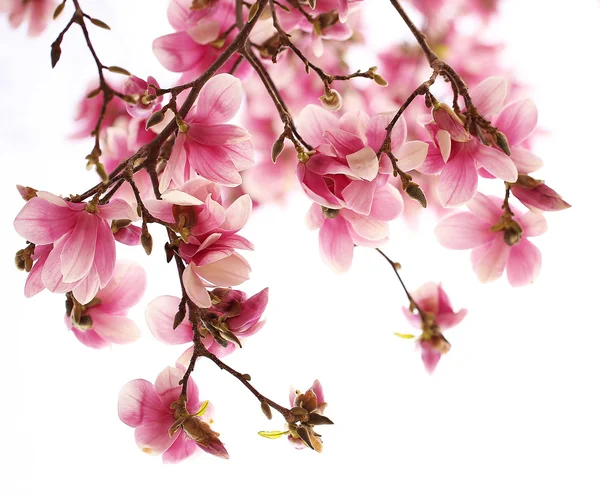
column 331, row 100
column 119, row 70
column 502, row 142
column 178, row 319
column 277, row 148
column 169, row 251
column 266, row 409
column 246, row 377
column 146, row 241
column 155, row 118
column 380, row 80
column 447, row 119
column 101, row 170
column 416, row 193
column 312, row 4
column 26, row 192
column 253, row 10
column 58, row 10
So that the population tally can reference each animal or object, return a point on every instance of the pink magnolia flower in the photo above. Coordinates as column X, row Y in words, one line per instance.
column 235, row 314
column 206, row 146
column 88, row 112
column 199, row 37
column 499, row 241
column 345, row 172
column 434, row 301
column 210, row 236
column 534, row 194
column 164, row 422
column 39, row 13
column 103, row 320
column 146, row 103
column 457, row 156
column 82, row 257
column 340, row 230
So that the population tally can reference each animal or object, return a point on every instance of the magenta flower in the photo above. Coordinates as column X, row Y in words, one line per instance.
column 82, row 257
column 345, row 172
column 232, row 320
column 457, row 156
column 499, row 241
column 147, row 101
column 205, row 145
column 164, row 422
column 209, row 233
column 39, row 13
column 340, row 230
column 103, row 320
column 433, row 300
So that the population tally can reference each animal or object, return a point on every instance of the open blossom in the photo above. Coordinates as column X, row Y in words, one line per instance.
column 104, row 320
column 206, row 146
column 458, row 157
column 340, row 230
column 234, row 318
column 439, row 316
column 346, row 172
column 88, row 111
column 146, row 91
column 209, row 232
column 200, row 35
column 164, row 422
column 498, row 240
column 82, row 254
column 39, row 13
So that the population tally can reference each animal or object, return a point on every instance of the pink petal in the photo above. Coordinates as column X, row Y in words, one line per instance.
column 434, row 163
column 387, row 203
column 358, row 196
column 533, row 224
column 77, row 256
column 153, row 438
column 229, row 271
column 178, row 52
column 106, row 253
column 175, row 166
column 488, row 208
column 160, row 313
column 167, row 386
column 34, row 283
column 314, row 217
column 364, row 163
column 117, row 209
column 43, row 222
column 125, row 288
column 88, row 287
column 252, row 310
column 525, row 161
column 524, row 263
column 194, row 286
column 336, row 244
column 181, row 449
column 458, row 181
column 489, row 260
column 495, row 162
column 218, row 134
column 51, row 274
column 366, row 227
column 219, row 100
column 376, row 131
column 517, row 121
column 318, row 390
column 411, row 155
column 313, row 121
column 213, row 163
column 139, row 404
column 238, row 214
column 462, row 231
column 489, row 95
column 345, row 143
column 444, row 142
column 114, row 328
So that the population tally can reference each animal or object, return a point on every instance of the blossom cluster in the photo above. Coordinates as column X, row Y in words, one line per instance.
column 361, row 158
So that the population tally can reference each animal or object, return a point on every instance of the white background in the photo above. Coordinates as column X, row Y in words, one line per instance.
column 512, row 409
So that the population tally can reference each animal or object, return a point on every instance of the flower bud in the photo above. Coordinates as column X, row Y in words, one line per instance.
column 416, row 193
column 331, row 100
column 266, row 409
column 502, row 142
column 146, row 240
column 278, row 147
column 447, row 119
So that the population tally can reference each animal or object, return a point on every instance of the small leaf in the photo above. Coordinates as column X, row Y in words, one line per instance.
column 304, row 435
column 266, row 409
column 252, row 12
column 202, row 410
column 404, row 336
column 94, row 93
column 99, row 23
column 119, row 70
column 272, row 434
column 58, row 10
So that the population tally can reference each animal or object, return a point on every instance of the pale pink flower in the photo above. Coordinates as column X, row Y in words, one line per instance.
column 88, row 112
column 145, row 106
column 345, row 172
column 434, row 301
column 164, row 425
column 209, row 147
column 340, row 230
column 104, row 320
column 192, row 47
column 498, row 242
column 39, row 13
column 539, row 197
column 82, row 258
column 458, row 162
column 210, row 236
column 236, row 313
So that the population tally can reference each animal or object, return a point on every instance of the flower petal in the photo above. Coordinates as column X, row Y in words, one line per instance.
column 139, row 404
column 517, row 121
column 219, row 100
column 489, row 260
column 336, row 244
column 160, row 313
column 524, row 263
column 462, row 231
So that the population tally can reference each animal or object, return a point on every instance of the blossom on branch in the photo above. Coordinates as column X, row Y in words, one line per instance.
column 38, row 12
column 166, row 423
